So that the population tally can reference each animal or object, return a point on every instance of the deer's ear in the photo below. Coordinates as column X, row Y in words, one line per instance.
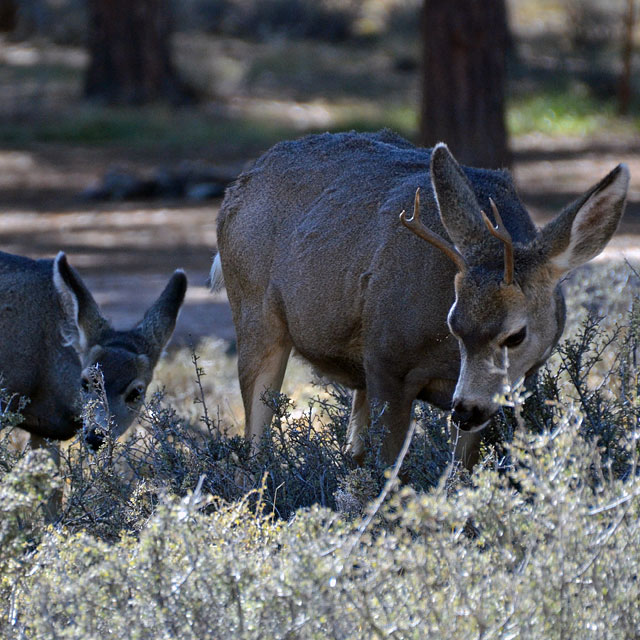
column 83, row 324
column 581, row 231
column 160, row 319
column 457, row 203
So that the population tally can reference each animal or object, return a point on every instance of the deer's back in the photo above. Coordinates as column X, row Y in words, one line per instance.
column 347, row 187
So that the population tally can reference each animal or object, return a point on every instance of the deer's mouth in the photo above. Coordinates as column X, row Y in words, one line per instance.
column 470, row 419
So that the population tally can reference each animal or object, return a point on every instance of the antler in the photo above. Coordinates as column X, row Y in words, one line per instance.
column 414, row 224
column 500, row 232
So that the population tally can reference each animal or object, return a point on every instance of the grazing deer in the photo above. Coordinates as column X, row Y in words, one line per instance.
column 53, row 336
column 444, row 306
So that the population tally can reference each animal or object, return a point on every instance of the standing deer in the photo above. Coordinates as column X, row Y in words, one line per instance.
column 444, row 306
column 53, row 335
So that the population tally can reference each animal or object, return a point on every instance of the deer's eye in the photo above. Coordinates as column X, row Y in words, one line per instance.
column 515, row 339
column 86, row 385
column 134, row 396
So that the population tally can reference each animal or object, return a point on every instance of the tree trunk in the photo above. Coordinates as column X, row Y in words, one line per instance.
column 624, row 90
column 463, row 66
column 8, row 15
column 129, row 47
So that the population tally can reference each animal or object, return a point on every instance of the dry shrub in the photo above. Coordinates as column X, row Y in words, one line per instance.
column 183, row 532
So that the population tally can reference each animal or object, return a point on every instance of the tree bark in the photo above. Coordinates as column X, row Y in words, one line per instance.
column 624, row 89
column 130, row 58
column 8, row 15
column 463, row 65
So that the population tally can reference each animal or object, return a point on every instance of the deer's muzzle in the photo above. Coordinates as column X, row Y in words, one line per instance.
column 469, row 418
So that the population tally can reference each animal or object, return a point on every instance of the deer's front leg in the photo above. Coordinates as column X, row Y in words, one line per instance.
column 390, row 398
column 358, row 424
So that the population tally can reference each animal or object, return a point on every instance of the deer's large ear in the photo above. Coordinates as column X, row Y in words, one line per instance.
column 581, row 231
column 83, row 323
column 457, row 203
column 160, row 319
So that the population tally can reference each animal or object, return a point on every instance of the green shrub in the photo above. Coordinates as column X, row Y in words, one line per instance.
column 572, row 112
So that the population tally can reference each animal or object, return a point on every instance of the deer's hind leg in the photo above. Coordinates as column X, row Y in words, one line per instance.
column 358, row 424
column 263, row 352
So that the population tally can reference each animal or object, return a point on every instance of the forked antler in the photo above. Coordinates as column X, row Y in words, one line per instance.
column 500, row 232
column 414, row 224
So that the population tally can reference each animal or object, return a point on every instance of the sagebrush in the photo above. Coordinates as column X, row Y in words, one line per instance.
column 182, row 532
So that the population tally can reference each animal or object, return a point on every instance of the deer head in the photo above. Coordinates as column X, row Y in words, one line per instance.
column 509, row 311
column 125, row 359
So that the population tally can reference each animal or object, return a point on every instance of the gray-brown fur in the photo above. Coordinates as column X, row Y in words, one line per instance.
column 53, row 333
column 315, row 258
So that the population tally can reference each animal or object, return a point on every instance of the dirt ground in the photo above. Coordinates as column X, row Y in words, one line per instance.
column 127, row 251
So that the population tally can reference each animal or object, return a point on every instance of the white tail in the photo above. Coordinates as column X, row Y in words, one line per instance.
column 216, row 277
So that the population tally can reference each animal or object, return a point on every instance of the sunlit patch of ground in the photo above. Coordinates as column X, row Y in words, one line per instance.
column 176, row 374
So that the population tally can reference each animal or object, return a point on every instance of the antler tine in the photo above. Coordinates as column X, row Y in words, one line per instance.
column 500, row 232
column 415, row 224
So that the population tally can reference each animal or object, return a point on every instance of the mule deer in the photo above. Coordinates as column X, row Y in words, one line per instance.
column 314, row 258
column 53, row 335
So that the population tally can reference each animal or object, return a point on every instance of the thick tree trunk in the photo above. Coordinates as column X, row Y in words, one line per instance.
column 463, row 65
column 624, row 90
column 129, row 47
column 8, row 15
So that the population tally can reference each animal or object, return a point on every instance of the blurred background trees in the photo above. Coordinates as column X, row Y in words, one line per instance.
column 8, row 15
column 624, row 92
column 464, row 47
column 469, row 72
column 129, row 44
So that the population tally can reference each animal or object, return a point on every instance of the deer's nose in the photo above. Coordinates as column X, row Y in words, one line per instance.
column 466, row 417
